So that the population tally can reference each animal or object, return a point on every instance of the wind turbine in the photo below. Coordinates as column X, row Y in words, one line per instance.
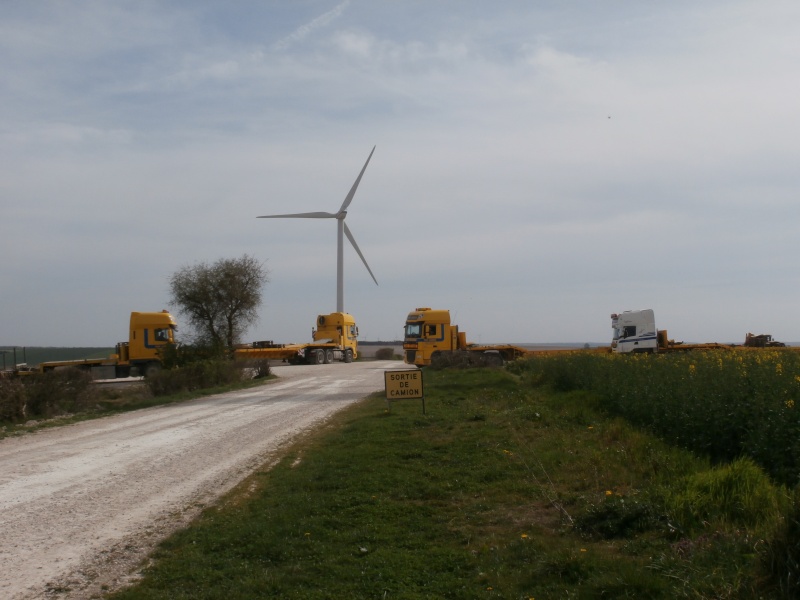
column 342, row 230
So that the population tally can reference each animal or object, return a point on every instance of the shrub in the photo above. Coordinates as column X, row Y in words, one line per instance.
column 180, row 355
column 384, row 354
column 194, row 376
column 464, row 359
column 738, row 493
column 12, row 400
column 260, row 368
column 619, row 517
column 58, row 392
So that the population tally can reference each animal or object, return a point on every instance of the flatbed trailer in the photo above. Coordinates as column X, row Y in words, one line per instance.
column 429, row 335
column 297, row 354
column 634, row 331
column 335, row 339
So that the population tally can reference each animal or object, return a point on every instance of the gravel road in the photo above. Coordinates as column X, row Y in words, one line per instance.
column 82, row 505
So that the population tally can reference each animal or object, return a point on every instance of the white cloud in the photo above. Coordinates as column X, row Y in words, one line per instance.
column 571, row 162
column 302, row 32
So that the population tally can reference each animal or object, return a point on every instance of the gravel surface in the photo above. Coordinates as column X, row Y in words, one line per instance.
column 81, row 506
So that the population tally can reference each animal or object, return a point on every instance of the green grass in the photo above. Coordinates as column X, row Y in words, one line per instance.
column 501, row 490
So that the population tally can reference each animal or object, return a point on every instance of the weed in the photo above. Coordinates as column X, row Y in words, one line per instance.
column 737, row 494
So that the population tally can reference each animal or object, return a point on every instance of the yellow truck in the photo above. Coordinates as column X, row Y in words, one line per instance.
column 149, row 333
column 334, row 339
column 429, row 334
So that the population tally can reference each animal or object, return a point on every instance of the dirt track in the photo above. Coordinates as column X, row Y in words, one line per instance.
column 82, row 505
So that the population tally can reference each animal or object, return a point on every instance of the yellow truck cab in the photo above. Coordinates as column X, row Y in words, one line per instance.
column 427, row 332
column 335, row 339
column 339, row 329
column 148, row 333
column 429, row 335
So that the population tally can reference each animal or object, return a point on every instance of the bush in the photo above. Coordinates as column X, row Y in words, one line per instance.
column 384, row 354
column 464, row 359
column 12, row 400
column 259, row 368
column 738, row 494
column 619, row 517
column 58, row 392
column 194, row 376
column 180, row 355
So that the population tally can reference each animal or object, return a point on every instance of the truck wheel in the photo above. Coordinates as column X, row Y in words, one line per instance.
column 348, row 356
column 319, row 357
column 492, row 359
column 328, row 356
column 151, row 369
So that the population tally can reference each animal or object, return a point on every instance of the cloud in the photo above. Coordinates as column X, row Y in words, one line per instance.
column 304, row 31
column 135, row 139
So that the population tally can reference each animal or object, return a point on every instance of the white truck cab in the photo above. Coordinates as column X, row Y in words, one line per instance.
column 634, row 331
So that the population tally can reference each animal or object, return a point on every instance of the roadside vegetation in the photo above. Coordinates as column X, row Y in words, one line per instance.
column 516, row 483
column 69, row 395
column 723, row 404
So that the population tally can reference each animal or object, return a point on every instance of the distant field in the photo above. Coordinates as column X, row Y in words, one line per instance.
column 36, row 355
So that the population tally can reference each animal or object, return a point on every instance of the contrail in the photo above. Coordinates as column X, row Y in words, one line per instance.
column 303, row 31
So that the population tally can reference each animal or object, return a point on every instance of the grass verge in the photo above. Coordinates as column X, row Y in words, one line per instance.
column 499, row 491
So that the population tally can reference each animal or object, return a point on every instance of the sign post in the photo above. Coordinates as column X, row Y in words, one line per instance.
column 404, row 385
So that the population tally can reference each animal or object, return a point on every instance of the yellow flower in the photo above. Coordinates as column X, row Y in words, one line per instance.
column 779, row 369
column 789, row 404
column 692, row 369
column 524, row 536
column 609, row 493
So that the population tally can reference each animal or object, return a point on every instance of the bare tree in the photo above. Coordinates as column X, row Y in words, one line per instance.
column 220, row 300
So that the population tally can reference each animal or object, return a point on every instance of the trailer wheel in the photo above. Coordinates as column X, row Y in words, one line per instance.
column 348, row 356
column 492, row 359
column 319, row 357
column 151, row 369
column 328, row 356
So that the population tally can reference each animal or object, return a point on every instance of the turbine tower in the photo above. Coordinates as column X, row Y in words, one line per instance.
column 342, row 230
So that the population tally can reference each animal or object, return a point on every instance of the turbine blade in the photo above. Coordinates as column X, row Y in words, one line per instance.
column 352, row 193
column 308, row 215
column 353, row 241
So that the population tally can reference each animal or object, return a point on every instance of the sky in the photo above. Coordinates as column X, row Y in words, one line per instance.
column 538, row 165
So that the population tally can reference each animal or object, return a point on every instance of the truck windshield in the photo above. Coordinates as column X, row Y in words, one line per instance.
column 413, row 330
column 624, row 331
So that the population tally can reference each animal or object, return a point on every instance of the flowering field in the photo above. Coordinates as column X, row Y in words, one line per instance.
column 722, row 403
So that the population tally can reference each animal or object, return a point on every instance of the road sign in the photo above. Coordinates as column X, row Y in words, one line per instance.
column 404, row 385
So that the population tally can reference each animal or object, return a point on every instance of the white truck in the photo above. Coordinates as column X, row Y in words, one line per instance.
column 635, row 331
